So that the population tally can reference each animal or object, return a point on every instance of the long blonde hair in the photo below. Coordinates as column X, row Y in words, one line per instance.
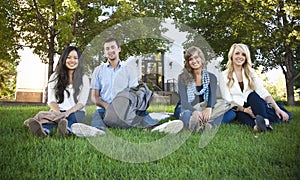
column 246, row 66
column 187, row 74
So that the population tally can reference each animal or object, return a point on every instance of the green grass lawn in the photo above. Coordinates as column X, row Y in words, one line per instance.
column 235, row 152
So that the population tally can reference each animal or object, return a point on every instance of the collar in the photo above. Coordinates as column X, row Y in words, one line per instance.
column 118, row 66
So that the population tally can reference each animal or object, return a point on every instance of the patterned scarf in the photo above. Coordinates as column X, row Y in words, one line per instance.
column 192, row 91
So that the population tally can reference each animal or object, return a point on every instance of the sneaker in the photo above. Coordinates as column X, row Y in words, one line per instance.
column 36, row 128
column 62, row 127
column 83, row 130
column 171, row 127
column 261, row 124
column 268, row 125
column 195, row 124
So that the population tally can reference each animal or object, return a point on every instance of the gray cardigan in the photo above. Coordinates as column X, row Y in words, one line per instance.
column 182, row 91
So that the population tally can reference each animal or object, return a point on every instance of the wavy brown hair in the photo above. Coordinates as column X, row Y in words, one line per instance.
column 246, row 66
column 188, row 75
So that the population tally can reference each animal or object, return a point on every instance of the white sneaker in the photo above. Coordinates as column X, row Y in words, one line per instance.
column 83, row 130
column 171, row 127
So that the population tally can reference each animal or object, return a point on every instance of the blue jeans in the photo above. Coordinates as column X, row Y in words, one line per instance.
column 97, row 119
column 258, row 106
column 72, row 118
column 226, row 118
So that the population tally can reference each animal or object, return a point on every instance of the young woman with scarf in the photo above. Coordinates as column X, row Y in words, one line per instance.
column 198, row 87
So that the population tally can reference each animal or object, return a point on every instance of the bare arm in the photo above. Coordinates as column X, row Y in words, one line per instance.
column 97, row 100
column 280, row 113
column 75, row 108
column 54, row 107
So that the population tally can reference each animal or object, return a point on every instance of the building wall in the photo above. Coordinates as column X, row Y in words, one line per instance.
column 32, row 77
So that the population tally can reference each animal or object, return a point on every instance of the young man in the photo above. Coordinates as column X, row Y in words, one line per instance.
column 108, row 79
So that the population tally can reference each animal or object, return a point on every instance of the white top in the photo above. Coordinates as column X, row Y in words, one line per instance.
column 235, row 94
column 69, row 101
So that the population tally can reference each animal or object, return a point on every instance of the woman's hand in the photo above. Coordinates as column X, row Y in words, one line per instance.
column 282, row 115
column 198, row 115
column 248, row 110
column 206, row 114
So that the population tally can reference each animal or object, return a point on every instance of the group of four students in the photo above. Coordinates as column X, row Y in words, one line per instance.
column 240, row 87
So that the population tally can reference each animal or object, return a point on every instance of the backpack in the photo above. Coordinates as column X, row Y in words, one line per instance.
column 128, row 108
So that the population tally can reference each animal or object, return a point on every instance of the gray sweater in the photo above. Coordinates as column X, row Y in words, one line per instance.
column 183, row 97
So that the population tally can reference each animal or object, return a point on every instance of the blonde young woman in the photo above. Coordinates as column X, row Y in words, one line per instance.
column 241, row 86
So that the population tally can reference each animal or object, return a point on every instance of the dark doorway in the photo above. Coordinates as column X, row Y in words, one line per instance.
column 152, row 69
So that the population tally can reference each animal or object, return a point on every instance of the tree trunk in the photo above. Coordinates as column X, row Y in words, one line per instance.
column 51, row 53
column 50, row 65
column 289, row 77
column 290, row 92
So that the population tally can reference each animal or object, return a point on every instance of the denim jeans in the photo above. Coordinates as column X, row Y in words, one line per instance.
column 97, row 119
column 258, row 107
column 226, row 118
column 72, row 118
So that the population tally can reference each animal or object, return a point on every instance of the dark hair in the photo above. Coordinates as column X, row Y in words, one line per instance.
column 111, row 39
column 62, row 77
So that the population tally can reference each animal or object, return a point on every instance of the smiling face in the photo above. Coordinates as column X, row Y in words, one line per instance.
column 111, row 50
column 238, row 57
column 72, row 60
column 195, row 61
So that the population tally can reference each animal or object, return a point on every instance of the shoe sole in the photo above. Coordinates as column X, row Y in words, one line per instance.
column 269, row 128
column 36, row 128
column 171, row 127
column 260, row 122
column 83, row 130
column 62, row 128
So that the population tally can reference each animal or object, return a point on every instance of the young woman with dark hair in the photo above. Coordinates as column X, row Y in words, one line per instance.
column 68, row 91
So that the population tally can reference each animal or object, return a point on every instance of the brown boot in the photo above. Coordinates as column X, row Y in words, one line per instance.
column 27, row 121
column 195, row 124
column 36, row 128
column 62, row 128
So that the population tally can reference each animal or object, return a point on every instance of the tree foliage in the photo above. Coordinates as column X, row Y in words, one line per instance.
column 49, row 26
column 269, row 27
column 8, row 49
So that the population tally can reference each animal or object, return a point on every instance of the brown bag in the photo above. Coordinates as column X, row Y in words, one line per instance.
column 220, row 108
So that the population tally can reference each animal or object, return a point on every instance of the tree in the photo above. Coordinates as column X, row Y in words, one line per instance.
column 270, row 28
column 46, row 26
column 8, row 49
